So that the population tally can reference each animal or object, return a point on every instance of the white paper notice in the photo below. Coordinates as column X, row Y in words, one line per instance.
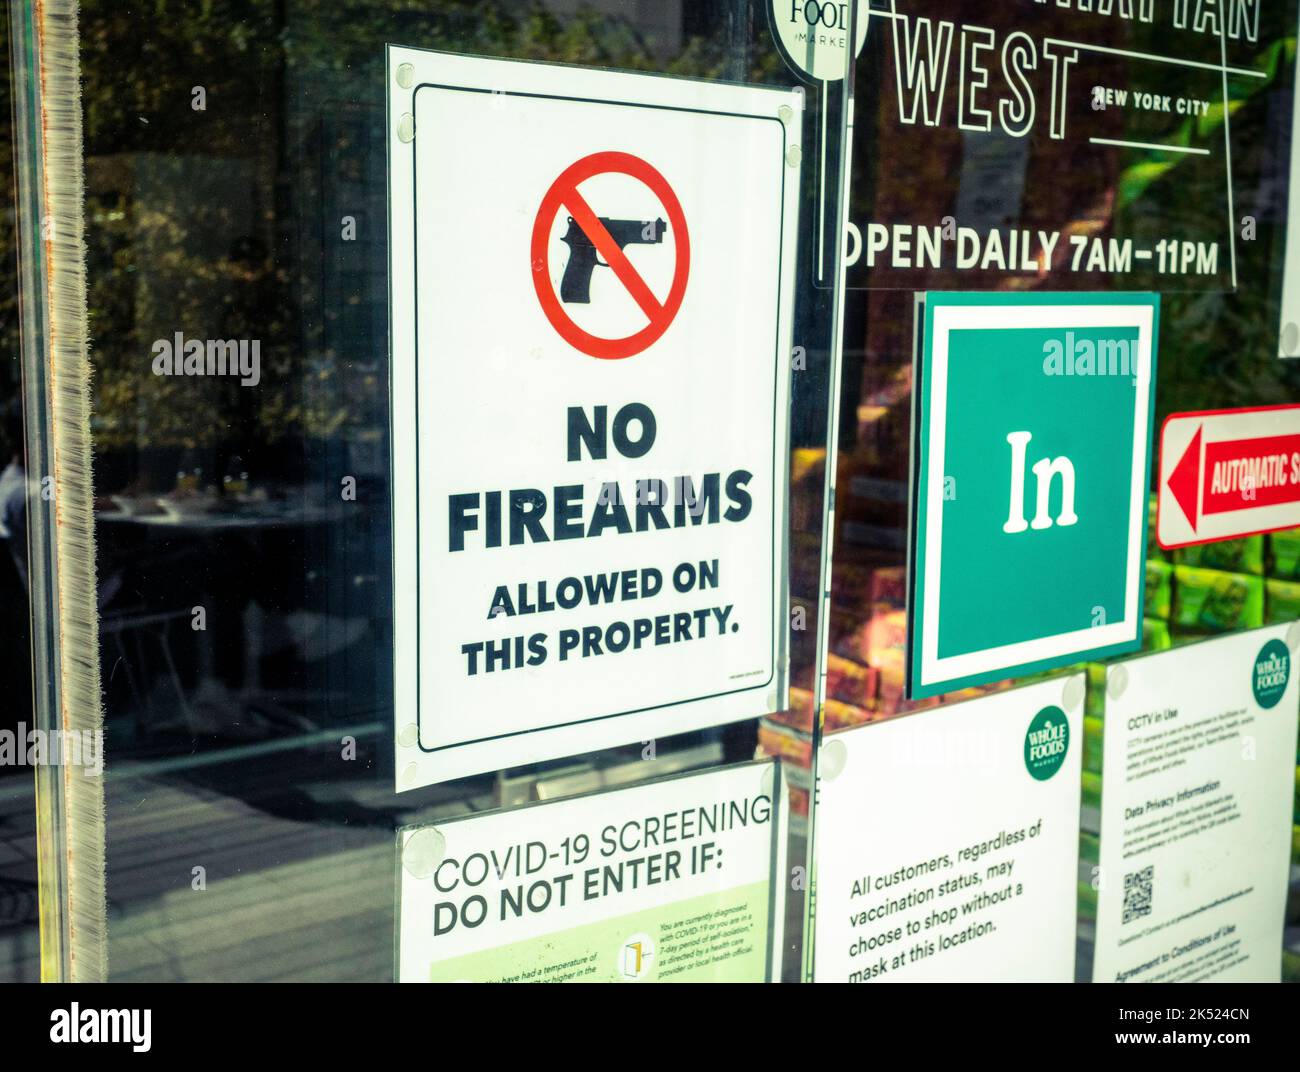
column 948, row 842
column 1198, row 769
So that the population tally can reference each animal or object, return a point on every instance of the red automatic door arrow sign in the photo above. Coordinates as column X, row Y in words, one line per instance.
column 1237, row 474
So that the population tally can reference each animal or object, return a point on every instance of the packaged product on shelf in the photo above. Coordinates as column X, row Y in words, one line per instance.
column 892, row 701
column 1284, row 554
column 807, row 465
column 886, row 637
column 1092, row 731
column 799, row 715
column 1281, row 600
column 1154, row 551
column 1094, row 699
column 872, row 500
column 851, row 682
column 862, row 534
column 843, row 628
column 877, row 640
column 1211, row 600
column 1159, row 589
column 851, row 584
column 1155, row 635
column 891, row 688
column 910, row 707
column 837, row 715
column 1244, row 555
column 889, row 587
column 782, row 742
column 962, row 695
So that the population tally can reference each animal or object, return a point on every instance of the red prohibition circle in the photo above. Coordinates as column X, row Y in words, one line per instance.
column 564, row 194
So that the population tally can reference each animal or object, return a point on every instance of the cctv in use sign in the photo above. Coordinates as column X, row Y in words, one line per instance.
column 591, row 312
column 1227, row 473
column 1030, row 483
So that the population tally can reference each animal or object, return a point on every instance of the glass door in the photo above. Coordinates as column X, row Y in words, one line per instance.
column 460, row 380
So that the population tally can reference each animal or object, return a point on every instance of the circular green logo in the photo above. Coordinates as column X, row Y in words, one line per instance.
column 1270, row 673
column 1046, row 742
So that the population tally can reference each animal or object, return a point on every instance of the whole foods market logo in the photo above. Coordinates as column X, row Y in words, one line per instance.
column 1271, row 672
column 1046, row 743
column 812, row 35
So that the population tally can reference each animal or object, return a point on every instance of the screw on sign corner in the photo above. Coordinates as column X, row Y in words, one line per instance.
column 564, row 194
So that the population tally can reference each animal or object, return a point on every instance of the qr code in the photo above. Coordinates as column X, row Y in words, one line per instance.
column 1137, row 894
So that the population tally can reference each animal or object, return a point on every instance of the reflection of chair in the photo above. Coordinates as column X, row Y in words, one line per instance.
column 127, row 635
column 15, row 646
column 17, row 902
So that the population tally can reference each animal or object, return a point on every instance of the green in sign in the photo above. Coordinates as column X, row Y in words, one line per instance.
column 1029, row 491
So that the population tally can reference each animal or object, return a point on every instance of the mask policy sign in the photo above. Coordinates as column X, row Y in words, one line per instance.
column 591, row 313
column 947, row 843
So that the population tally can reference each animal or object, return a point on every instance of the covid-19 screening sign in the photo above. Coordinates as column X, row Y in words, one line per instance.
column 591, row 300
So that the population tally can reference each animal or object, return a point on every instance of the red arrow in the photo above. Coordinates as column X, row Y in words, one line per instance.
column 1185, row 480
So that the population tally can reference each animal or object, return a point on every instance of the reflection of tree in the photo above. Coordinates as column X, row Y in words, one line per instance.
column 196, row 219
column 10, row 362
column 1219, row 348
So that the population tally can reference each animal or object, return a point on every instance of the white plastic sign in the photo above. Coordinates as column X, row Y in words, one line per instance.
column 591, row 290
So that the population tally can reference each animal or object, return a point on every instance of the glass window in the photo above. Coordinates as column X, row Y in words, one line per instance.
column 476, row 466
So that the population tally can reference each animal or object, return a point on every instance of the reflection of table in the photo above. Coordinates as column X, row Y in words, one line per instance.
column 269, row 515
column 238, row 560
